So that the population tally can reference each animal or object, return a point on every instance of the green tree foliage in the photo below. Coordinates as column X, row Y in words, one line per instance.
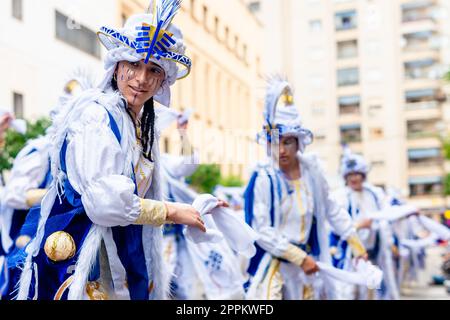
column 231, row 181
column 447, row 185
column 205, row 178
column 446, row 147
column 14, row 141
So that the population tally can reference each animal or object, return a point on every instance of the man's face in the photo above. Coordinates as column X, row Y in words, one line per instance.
column 355, row 181
column 288, row 149
column 138, row 82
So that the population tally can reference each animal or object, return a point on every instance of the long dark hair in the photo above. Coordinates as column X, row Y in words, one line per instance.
column 147, row 137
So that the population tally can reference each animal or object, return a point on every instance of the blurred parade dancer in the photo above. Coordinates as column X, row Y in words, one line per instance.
column 30, row 176
column 99, row 235
column 200, row 270
column 361, row 199
column 287, row 202
column 414, row 234
column 235, row 196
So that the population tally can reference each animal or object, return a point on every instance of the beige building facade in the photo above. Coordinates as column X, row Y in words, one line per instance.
column 369, row 73
column 42, row 43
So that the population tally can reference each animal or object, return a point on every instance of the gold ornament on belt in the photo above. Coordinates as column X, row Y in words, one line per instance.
column 60, row 246
column 22, row 241
column 95, row 291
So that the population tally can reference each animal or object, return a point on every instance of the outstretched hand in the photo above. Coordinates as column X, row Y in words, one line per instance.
column 180, row 213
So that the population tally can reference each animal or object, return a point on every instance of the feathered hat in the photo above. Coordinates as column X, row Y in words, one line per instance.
column 353, row 163
column 284, row 119
column 149, row 37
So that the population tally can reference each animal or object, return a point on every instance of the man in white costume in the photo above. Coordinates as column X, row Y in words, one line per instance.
column 288, row 202
column 361, row 199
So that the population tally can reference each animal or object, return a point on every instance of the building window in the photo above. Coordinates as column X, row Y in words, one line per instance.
column 345, row 20
column 417, row 10
column 166, row 145
column 351, row 133
column 320, row 137
column 316, row 82
column 420, row 95
column 348, row 77
column 421, row 69
column 424, row 157
column 316, row 53
column 318, row 108
column 347, row 49
column 419, row 41
column 205, row 17
column 377, row 163
column 376, row 133
column 374, row 109
column 349, row 105
column 193, row 9
column 18, row 104
column 258, row 66
column 254, row 6
column 81, row 38
column 244, row 53
column 227, row 36
column 423, row 186
column 216, row 26
column 315, row 26
column 422, row 128
column 17, row 9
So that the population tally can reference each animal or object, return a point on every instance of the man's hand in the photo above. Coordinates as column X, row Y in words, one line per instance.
column 309, row 266
column 364, row 257
column 180, row 213
column 364, row 224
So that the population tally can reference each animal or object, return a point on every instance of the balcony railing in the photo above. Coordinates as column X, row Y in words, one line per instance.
column 425, row 163
column 422, row 134
column 422, row 105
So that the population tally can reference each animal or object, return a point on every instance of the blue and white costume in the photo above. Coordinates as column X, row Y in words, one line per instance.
column 289, row 216
column 28, row 182
column 99, row 234
column 378, row 239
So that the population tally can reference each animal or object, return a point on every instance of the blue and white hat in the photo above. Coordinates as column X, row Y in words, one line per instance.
column 149, row 37
column 353, row 163
column 282, row 119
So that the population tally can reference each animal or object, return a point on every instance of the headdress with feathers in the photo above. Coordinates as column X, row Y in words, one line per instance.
column 282, row 120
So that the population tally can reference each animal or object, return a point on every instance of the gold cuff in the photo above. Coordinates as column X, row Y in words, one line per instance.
column 294, row 255
column 357, row 247
column 152, row 213
column 34, row 196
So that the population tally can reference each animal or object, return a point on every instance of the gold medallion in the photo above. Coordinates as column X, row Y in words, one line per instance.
column 60, row 246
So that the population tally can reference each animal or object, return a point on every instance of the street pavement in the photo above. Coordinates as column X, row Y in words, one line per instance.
column 423, row 289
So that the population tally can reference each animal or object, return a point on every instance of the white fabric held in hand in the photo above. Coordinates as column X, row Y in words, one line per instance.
column 236, row 232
